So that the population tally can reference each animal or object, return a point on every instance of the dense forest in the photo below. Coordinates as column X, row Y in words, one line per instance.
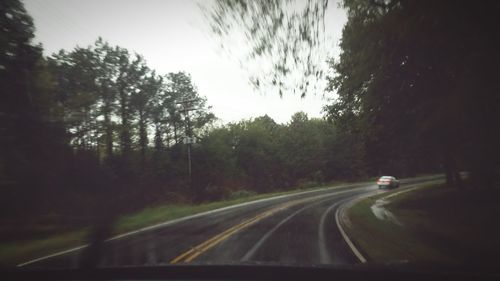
column 94, row 127
column 416, row 82
column 414, row 87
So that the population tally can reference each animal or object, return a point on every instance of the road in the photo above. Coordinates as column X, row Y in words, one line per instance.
column 297, row 229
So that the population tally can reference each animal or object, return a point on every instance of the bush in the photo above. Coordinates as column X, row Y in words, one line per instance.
column 304, row 183
column 215, row 192
column 318, row 177
column 241, row 194
column 175, row 198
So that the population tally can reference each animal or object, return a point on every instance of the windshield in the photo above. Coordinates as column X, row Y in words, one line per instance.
column 290, row 133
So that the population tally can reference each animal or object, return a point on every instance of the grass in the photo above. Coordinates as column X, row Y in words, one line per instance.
column 162, row 213
column 13, row 253
column 440, row 226
column 17, row 252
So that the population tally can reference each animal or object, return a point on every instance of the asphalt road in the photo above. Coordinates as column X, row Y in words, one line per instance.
column 298, row 229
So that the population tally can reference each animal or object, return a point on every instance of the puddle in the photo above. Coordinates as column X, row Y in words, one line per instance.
column 380, row 212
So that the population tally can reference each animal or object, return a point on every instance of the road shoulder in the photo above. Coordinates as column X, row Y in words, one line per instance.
column 150, row 218
column 434, row 225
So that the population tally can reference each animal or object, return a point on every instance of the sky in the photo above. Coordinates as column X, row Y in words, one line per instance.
column 172, row 35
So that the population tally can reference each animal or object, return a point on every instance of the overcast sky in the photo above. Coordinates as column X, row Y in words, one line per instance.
column 172, row 36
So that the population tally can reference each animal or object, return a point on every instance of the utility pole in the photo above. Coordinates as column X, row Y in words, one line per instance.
column 188, row 138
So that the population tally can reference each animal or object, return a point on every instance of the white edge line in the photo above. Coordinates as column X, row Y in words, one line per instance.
column 268, row 234
column 349, row 242
column 324, row 256
column 53, row 255
column 355, row 250
column 170, row 222
column 167, row 223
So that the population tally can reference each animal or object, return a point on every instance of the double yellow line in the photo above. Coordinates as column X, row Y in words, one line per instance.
column 205, row 246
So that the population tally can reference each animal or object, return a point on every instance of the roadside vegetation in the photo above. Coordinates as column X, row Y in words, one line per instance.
column 15, row 252
column 93, row 134
column 440, row 225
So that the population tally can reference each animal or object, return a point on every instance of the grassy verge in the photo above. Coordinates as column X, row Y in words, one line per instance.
column 17, row 252
column 154, row 215
column 439, row 226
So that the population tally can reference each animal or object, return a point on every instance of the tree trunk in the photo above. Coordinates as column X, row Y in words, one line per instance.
column 175, row 132
column 448, row 169
column 143, row 136
column 125, row 140
column 108, row 131
column 456, row 176
column 158, row 137
column 453, row 178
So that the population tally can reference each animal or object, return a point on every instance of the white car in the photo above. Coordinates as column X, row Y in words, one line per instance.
column 387, row 182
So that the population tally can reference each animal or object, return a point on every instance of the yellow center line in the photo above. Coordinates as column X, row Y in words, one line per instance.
column 194, row 252
column 221, row 238
column 208, row 242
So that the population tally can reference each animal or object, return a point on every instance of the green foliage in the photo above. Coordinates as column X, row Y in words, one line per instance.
column 241, row 194
column 260, row 155
column 31, row 140
column 79, row 124
column 283, row 38
column 409, row 94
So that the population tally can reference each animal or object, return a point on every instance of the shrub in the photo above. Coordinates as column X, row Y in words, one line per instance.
column 241, row 194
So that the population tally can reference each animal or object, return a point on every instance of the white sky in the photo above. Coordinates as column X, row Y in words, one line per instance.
column 172, row 36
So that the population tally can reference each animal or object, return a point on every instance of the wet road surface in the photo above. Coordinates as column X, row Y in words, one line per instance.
column 297, row 229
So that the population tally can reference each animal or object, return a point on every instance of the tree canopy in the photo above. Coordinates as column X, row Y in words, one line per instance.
column 415, row 82
column 283, row 39
column 95, row 130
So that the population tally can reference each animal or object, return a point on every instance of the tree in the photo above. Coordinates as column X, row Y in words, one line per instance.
column 141, row 103
column 303, row 146
column 256, row 153
column 284, row 39
column 76, row 90
column 408, row 90
column 162, row 105
column 130, row 71
column 107, row 73
column 18, row 113
column 184, row 98
column 216, row 170
column 32, row 142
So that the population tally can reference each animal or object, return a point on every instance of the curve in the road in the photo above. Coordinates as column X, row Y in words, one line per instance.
column 250, row 254
column 194, row 252
column 296, row 228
